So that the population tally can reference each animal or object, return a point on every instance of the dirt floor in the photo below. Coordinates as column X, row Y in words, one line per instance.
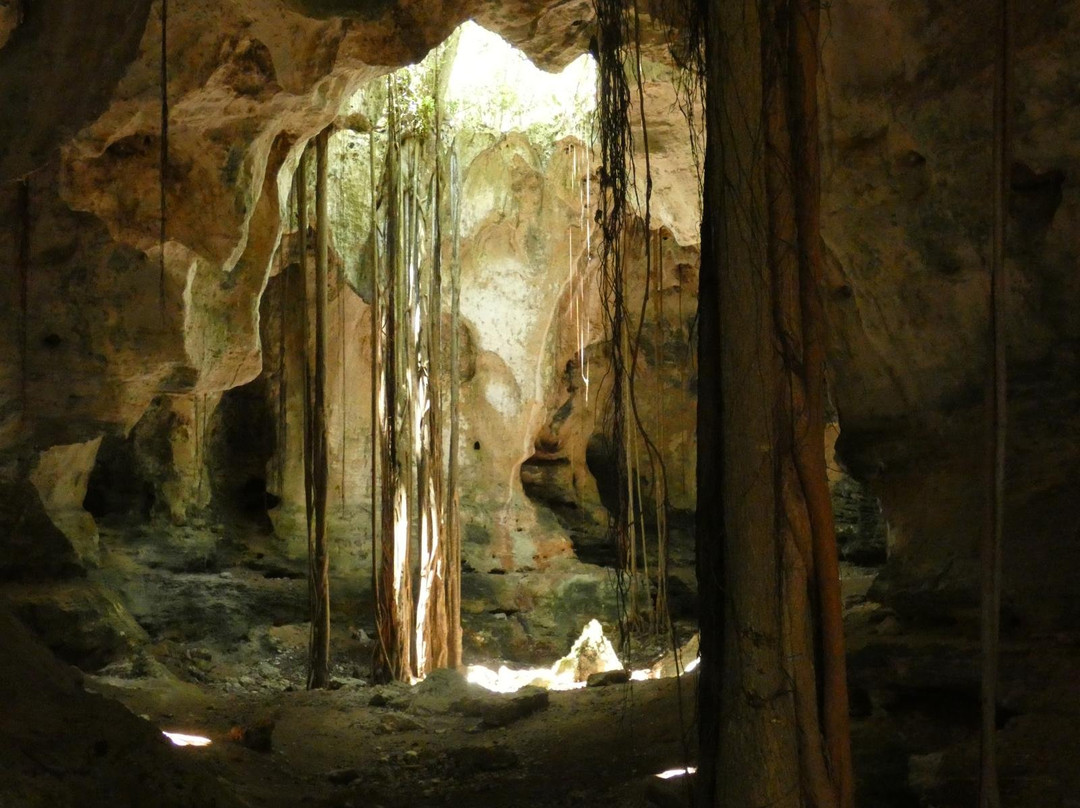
column 597, row 746
column 219, row 649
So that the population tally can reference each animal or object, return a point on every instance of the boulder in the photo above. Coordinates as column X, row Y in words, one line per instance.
column 501, row 709
column 605, row 678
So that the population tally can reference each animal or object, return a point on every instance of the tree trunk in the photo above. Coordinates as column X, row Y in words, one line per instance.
column 319, row 674
column 393, row 607
column 773, row 690
column 375, row 312
column 307, row 445
column 802, row 71
column 453, row 524
column 432, row 622
column 993, row 529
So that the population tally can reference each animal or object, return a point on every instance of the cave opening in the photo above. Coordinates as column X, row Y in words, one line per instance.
column 239, row 440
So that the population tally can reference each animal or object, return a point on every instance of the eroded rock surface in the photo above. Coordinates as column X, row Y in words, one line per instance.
column 907, row 223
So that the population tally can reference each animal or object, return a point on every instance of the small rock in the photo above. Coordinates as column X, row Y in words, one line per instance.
column 396, row 722
column 617, row 677
column 348, row 682
column 342, row 777
column 257, row 736
column 924, row 772
column 395, row 695
column 498, row 709
column 889, row 627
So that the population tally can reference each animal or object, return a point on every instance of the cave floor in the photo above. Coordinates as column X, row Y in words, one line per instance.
column 598, row 746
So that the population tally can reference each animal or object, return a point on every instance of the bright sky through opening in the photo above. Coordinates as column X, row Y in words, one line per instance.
column 494, row 84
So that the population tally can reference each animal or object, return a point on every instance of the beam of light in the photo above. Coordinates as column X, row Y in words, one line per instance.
column 670, row 773
column 179, row 739
column 692, row 665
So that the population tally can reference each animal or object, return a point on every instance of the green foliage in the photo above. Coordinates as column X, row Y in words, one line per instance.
column 416, row 90
column 422, row 102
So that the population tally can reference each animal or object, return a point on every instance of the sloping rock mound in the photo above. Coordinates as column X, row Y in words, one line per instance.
column 63, row 746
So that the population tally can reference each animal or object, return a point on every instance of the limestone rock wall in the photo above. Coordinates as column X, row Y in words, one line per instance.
column 96, row 324
column 906, row 220
column 94, row 332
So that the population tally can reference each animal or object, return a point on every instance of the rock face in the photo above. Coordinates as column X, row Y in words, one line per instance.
column 131, row 376
column 11, row 14
column 173, row 408
column 907, row 223
column 60, row 745
column 146, row 379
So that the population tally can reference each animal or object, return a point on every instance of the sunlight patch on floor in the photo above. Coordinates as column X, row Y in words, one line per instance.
column 180, row 739
column 591, row 653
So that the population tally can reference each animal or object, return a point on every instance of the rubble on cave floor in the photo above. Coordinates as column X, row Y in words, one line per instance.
column 441, row 742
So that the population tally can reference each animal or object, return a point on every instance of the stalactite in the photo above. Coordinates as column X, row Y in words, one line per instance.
column 319, row 672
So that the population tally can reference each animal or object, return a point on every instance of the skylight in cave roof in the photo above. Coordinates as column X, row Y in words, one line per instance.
column 494, row 86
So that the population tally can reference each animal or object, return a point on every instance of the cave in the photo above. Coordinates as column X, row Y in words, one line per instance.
column 539, row 403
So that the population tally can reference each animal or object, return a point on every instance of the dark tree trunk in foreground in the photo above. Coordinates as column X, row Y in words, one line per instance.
column 774, row 726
